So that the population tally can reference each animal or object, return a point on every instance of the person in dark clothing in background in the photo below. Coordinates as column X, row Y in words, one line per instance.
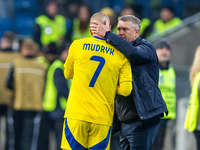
column 27, row 79
column 55, row 97
column 140, row 112
column 167, row 85
column 6, row 57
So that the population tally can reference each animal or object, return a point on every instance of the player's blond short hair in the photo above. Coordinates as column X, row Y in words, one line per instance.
column 101, row 17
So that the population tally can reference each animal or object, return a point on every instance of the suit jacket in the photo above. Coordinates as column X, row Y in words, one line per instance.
column 145, row 72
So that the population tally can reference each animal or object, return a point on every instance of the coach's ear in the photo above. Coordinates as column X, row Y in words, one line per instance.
column 91, row 32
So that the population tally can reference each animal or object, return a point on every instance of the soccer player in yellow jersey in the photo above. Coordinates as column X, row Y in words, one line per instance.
column 99, row 71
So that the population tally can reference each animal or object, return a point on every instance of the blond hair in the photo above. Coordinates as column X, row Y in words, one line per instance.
column 195, row 66
column 101, row 17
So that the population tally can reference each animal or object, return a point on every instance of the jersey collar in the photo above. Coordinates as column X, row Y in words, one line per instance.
column 98, row 38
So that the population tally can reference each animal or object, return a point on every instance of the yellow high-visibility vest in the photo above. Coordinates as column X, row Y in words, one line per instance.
column 167, row 85
column 29, row 81
column 50, row 96
column 145, row 22
column 51, row 30
column 160, row 27
column 193, row 108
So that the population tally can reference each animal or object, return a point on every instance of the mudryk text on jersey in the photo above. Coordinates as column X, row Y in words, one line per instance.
column 98, row 48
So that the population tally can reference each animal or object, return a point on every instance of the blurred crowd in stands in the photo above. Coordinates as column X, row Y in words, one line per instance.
column 20, row 16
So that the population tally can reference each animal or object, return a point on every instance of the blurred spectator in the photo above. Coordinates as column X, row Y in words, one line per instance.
column 7, row 41
column 141, row 7
column 127, row 11
column 55, row 98
column 80, row 28
column 72, row 13
column 6, row 56
column 66, row 7
column 116, row 5
column 167, row 85
column 192, row 120
column 27, row 79
column 146, row 25
column 166, row 22
column 111, row 14
column 177, row 6
column 50, row 27
column 96, row 5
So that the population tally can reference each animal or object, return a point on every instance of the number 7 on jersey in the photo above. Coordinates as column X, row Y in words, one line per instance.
column 101, row 61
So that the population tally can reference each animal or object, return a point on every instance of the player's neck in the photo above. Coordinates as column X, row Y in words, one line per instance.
column 98, row 36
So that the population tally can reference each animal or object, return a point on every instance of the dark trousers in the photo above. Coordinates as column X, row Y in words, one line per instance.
column 159, row 140
column 3, row 113
column 23, row 128
column 197, row 136
column 114, row 143
column 139, row 135
column 47, row 125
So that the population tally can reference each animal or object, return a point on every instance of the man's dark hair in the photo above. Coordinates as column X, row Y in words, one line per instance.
column 162, row 44
column 51, row 48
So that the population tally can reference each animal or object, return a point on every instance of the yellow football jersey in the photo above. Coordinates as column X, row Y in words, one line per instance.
column 97, row 68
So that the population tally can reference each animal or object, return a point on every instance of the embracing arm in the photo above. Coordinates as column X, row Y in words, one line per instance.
column 124, row 87
column 141, row 53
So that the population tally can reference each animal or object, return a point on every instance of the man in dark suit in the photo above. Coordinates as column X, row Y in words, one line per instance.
column 140, row 112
